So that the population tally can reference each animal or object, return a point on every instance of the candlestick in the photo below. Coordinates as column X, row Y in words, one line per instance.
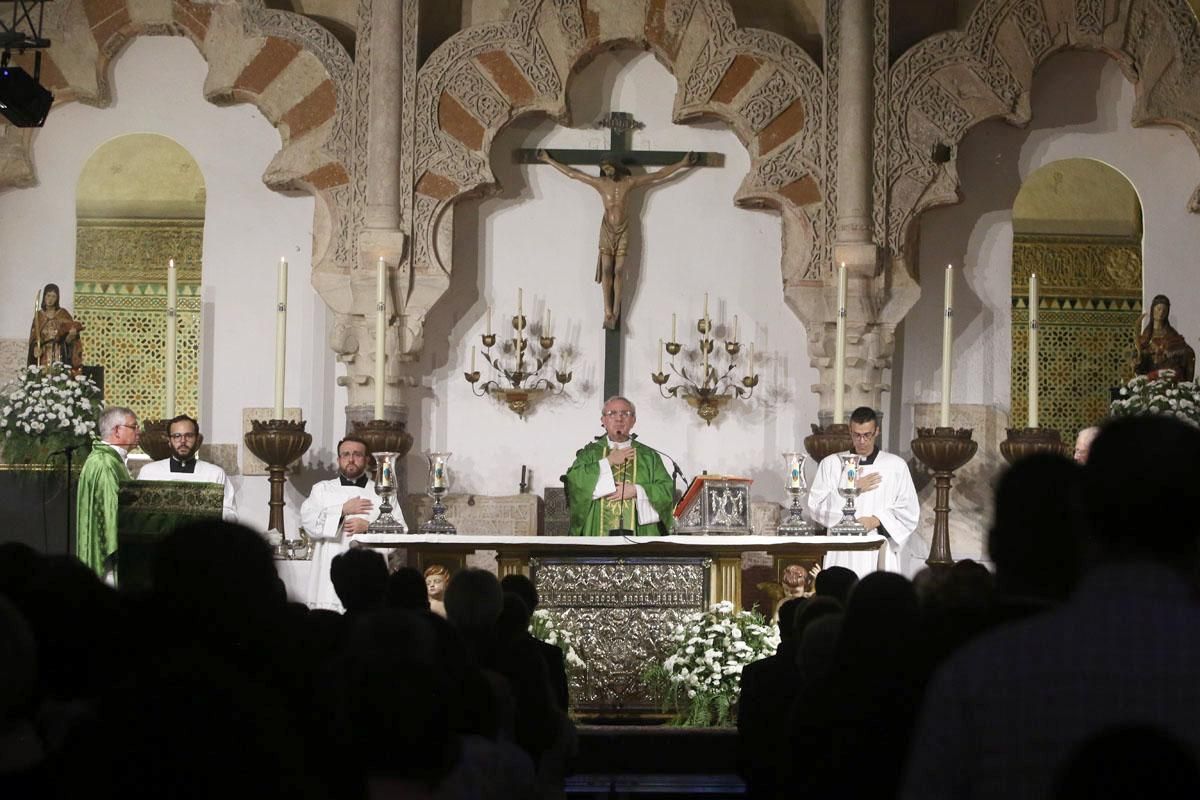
column 947, row 337
column 280, row 336
column 380, row 333
column 660, row 351
column 1033, row 351
column 172, row 333
column 839, row 357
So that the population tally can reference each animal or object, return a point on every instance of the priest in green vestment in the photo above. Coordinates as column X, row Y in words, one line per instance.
column 617, row 483
column 102, row 475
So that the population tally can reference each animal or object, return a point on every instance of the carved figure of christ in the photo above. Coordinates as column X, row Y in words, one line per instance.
column 614, row 184
column 614, row 163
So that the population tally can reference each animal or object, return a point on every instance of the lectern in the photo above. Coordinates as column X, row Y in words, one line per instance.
column 148, row 511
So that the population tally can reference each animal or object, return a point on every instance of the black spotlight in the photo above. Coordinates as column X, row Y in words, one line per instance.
column 23, row 101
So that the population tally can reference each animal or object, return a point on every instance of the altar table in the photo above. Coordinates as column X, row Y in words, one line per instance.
column 620, row 598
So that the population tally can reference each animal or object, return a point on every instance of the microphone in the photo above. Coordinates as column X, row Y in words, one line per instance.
column 676, row 472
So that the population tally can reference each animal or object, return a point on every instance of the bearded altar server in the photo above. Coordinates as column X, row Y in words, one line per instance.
column 183, row 435
column 617, row 483
column 887, row 501
column 335, row 512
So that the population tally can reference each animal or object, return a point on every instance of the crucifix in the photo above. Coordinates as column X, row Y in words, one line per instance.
column 615, row 183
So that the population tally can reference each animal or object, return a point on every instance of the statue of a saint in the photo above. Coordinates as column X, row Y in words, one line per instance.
column 54, row 334
column 614, row 185
column 1160, row 347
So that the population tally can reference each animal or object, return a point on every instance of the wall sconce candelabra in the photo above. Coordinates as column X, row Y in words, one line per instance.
column 711, row 388
column 519, row 381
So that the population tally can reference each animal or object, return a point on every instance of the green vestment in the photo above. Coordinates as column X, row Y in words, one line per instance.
column 96, row 504
column 596, row 517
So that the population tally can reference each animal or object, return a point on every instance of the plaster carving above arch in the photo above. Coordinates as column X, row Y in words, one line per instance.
column 288, row 66
column 953, row 81
column 765, row 87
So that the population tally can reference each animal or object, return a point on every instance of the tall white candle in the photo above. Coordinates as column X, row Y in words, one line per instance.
column 947, row 338
column 472, row 358
column 1033, row 351
column 706, row 306
column 520, row 297
column 280, row 336
column 488, row 329
column 660, row 351
column 839, row 351
column 750, row 361
column 673, row 331
column 380, row 333
column 172, row 333
column 735, row 327
column 546, row 323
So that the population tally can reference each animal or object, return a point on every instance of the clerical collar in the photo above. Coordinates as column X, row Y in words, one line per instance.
column 121, row 451
column 619, row 445
column 864, row 460
column 361, row 482
column 183, row 466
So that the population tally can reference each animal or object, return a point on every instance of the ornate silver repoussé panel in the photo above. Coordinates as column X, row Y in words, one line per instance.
column 620, row 613
column 720, row 507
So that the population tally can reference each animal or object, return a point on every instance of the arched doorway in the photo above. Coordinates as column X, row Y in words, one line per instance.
column 1077, row 224
column 140, row 202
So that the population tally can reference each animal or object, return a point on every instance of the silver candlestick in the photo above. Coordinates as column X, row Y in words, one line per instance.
column 439, row 485
column 385, row 487
column 795, row 524
column 848, row 488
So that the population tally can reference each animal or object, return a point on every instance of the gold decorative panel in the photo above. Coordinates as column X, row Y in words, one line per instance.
column 1089, row 303
column 121, row 298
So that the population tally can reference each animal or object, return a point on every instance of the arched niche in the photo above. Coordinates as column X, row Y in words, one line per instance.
column 1077, row 224
column 139, row 203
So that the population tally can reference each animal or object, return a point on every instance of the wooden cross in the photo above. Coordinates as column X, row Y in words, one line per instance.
column 620, row 151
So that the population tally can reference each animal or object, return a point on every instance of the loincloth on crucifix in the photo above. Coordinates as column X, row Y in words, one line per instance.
column 614, row 241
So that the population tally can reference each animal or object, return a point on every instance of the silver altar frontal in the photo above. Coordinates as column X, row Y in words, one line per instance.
column 621, row 598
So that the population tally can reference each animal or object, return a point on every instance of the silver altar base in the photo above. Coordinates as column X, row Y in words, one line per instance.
column 438, row 522
column 795, row 524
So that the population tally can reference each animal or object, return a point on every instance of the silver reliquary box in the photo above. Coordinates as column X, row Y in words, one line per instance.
column 715, row 504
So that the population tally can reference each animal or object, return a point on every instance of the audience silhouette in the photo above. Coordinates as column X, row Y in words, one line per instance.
column 1070, row 673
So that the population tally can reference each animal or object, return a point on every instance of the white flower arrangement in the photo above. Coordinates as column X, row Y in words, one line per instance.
column 45, row 409
column 701, row 678
column 542, row 626
column 1162, row 395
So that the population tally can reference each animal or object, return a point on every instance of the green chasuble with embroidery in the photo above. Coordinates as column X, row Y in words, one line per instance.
column 596, row 517
column 96, row 504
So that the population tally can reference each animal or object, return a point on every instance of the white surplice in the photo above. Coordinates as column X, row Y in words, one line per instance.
column 321, row 518
column 205, row 473
column 893, row 501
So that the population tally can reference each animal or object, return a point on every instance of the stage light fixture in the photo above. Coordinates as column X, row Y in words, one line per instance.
column 23, row 101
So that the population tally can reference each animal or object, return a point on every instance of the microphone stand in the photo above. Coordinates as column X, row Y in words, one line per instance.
column 69, row 452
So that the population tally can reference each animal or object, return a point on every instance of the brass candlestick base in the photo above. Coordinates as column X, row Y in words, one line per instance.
column 278, row 442
column 384, row 436
column 1023, row 442
column 825, row 441
column 154, row 441
column 943, row 450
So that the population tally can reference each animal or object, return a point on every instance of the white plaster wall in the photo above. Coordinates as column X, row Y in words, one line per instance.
column 1082, row 105
column 541, row 234
column 157, row 83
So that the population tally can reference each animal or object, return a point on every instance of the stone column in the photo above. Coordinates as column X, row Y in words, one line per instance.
column 856, row 96
column 383, row 120
column 382, row 235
